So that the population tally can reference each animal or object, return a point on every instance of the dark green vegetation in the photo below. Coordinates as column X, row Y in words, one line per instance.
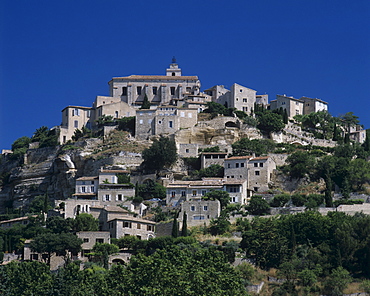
column 162, row 153
column 163, row 266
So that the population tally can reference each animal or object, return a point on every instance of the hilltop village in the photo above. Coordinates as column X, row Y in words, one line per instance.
column 158, row 155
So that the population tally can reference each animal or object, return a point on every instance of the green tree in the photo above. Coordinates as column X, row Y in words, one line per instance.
column 56, row 243
column 175, row 226
column 162, row 153
column 146, row 103
column 247, row 147
column 214, row 170
column 336, row 282
column 220, row 225
column 258, row 206
column 222, row 196
column 349, row 120
column 45, row 137
column 300, row 163
column 127, row 124
column 40, row 204
column 270, row 122
column 102, row 251
column 58, row 224
column 184, row 231
column 280, row 200
column 85, row 222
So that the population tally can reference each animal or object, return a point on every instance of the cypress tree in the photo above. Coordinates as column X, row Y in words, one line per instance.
column 146, row 103
column 175, row 227
column 285, row 116
column 184, row 231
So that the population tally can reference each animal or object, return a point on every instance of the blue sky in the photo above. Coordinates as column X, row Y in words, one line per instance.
column 59, row 53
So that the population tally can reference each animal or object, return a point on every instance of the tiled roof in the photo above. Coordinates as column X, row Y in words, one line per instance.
column 155, row 77
column 260, row 158
column 86, row 178
column 131, row 218
column 84, row 194
column 239, row 157
column 114, row 171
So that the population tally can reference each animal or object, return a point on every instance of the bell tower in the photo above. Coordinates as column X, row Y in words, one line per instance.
column 174, row 69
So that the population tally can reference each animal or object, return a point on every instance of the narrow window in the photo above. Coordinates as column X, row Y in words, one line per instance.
column 138, row 226
column 261, row 164
column 205, row 208
column 255, row 164
column 155, row 89
column 138, row 90
column 183, row 193
column 124, row 91
column 173, row 193
column 194, row 193
column 192, row 208
column 172, row 89
column 116, row 114
column 170, row 124
column 76, row 124
column 242, row 165
column 257, row 173
column 237, row 165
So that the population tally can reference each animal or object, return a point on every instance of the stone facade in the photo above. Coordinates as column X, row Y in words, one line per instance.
column 128, row 225
column 90, row 238
column 179, row 191
column 199, row 212
column 209, row 158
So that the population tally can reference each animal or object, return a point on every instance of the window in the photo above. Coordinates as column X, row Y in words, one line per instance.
column 88, row 113
column 257, row 173
column 188, row 89
column 159, row 121
column 237, row 165
column 190, row 115
column 172, row 89
column 194, row 193
column 182, row 114
column 296, row 112
column 119, row 196
column 140, row 121
column 127, row 224
column 192, row 208
column 204, row 192
column 255, row 164
column 242, row 165
column 173, row 193
column 138, row 90
column 170, row 124
column 99, row 240
column 83, row 189
column 205, row 208
column 255, row 189
column 155, row 90
column 186, row 150
column 116, row 114
column 244, row 100
column 86, row 240
column 261, row 164
column 233, row 199
column 76, row 124
column 198, row 217
column 183, row 193
column 75, row 112
column 245, row 109
column 138, row 226
column 150, row 228
column 173, row 74
column 241, row 90
column 107, row 197
column 228, row 165
column 232, row 189
column 124, row 91
column 92, row 189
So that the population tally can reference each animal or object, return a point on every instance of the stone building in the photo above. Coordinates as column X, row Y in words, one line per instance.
column 199, row 212
column 165, row 120
column 90, row 238
column 160, row 90
column 209, row 158
column 301, row 106
column 257, row 171
column 180, row 191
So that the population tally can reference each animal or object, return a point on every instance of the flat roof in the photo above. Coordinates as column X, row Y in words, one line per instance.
column 155, row 77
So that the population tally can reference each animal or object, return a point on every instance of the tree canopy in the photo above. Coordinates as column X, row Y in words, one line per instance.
column 162, row 153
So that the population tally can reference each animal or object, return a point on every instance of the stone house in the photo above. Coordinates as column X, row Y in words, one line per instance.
column 209, row 158
column 180, row 191
column 86, row 187
column 240, row 97
column 257, row 171
column 159, row 89
column 260, row 173
column 21, row 220
column 74, row 117
column 110, row 191
column 90, row 238
column 165, row 120
column 301, row 106
column 129, row 225
column 199, row 212
column 238, row 191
